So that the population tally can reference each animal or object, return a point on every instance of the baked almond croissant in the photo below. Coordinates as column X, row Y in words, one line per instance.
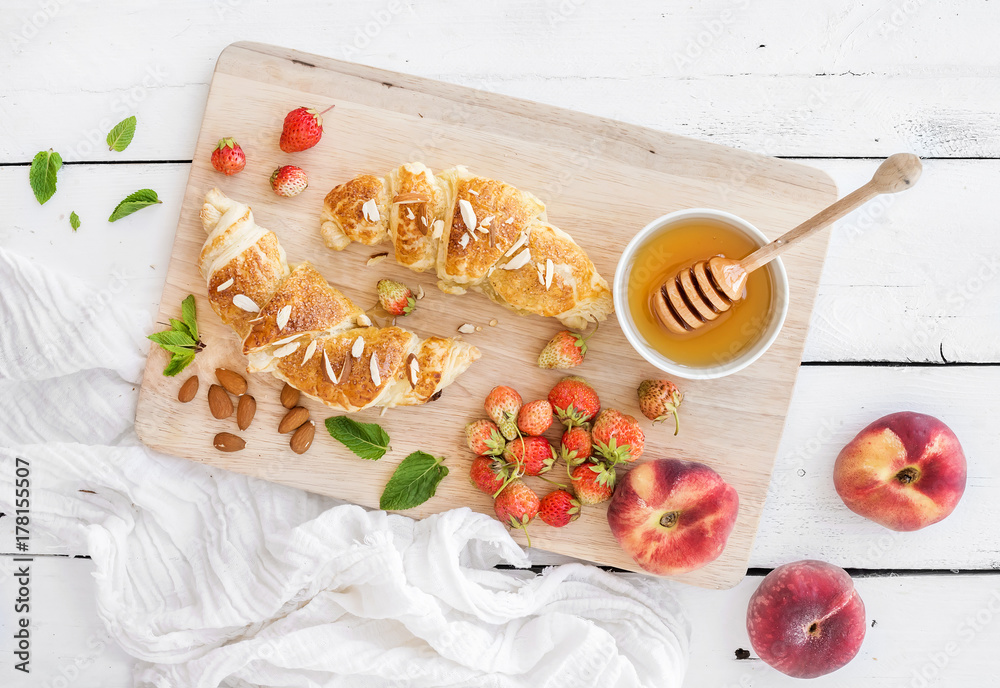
column 297, row 327
column 475, row 233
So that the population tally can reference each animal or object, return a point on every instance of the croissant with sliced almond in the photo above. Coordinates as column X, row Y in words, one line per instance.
column 476, row 233
column 296, row 326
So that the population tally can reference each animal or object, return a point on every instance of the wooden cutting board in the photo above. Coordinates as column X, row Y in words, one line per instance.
column 602, row 181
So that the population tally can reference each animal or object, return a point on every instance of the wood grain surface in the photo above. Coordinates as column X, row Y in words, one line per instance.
column 602, row 181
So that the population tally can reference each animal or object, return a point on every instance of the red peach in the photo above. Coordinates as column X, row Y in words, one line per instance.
column 806, row 619
column 673, row 516
column 905, row 471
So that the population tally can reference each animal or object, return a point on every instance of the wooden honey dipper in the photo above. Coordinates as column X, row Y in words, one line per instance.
column 701, row 293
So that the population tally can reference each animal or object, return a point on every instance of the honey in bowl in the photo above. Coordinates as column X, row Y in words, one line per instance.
column 678, row 246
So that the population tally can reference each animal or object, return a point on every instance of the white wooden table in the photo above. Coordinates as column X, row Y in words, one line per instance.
column 906, row 316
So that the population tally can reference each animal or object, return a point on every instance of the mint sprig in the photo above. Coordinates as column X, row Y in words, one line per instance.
column 121, row 135
column 42, row 174
column 367, row 440
column 133, row 202
column 181, row 341
column 74, row 221
column 414, row 481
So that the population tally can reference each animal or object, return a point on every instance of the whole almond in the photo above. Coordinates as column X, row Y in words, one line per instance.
column 228, row 442
column 234, row 383
column 188, row 390
column 245, row 410
column 289, row 396
column 293, row 419
column 219, row 402
column 303, row 438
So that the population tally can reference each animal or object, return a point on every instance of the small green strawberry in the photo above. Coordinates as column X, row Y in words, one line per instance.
column 228, row 157
column 565, row 350
column 289, row 181
column 395, row 297
column 658, row 399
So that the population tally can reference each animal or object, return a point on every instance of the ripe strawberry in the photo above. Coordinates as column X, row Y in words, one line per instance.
column 592, row 483
column 657, row 398
column 502, row 405
column 484, row 437
column 575, row 402
column 532, row 455
column 228, row 157
column 516, row 505
column 535, row 417
column 576, row 446
column 303, row 129
column 396, row 298
column 289, row 181
column 617, row 437
column 559, row 508
column 486, row 474
column 565, row 350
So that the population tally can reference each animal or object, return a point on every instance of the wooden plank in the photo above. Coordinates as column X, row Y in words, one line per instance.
column 847, row 79
column 892, row 289
column 628, row 177
column 943, row 627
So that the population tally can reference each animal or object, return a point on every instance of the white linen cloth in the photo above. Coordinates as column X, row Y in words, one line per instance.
column 211, row 578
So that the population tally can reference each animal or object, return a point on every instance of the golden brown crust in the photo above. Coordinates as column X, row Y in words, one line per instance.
column 389, row 345
column 255, row 273
column 346, row 213
column 314, row 306
column 575, row 288
column 417, row 202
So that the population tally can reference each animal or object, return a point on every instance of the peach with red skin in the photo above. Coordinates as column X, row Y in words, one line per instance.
column 672, row 516
column 806, row 619
column 905, row 471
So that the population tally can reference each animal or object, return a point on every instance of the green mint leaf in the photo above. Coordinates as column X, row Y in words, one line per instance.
column 188, row 312
column 133, row 202
column 180, row 326
column 179, row 350
column 121, row 135
column 367, row 440
column 413, row 482
column 42, row 174
column 178, row 362
column 172, row 337
column 74, row 221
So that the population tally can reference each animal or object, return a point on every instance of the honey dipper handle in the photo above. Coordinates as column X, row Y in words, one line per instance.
column 896, row 173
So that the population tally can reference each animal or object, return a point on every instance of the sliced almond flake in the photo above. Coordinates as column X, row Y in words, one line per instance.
column 373, row 368
column 521, row 240
column 473, row 192
column 281, row 319
column 345, row 370
column 494, row 322
column 285, row 340
column 467, row 328
column 509, row 220
column 474, row 236
column 376, row 258
column 328, row 369
column 246, row 303
column 541, row 273
column 412, row 369
column 487, row 220
column 358, row 347
column 468, row 214
column 409, row 214
column 370, row 210
column 225, row 285
column 364, row 320
column 420, row 292
column 483, row 228
column 287, row 349
column 548, row 273
column 518, row 261
column 464, row 241
column 310, row 350
column 438, row 229
column 423, row 220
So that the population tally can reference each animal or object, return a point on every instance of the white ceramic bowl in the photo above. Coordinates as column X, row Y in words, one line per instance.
column 779, row 299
